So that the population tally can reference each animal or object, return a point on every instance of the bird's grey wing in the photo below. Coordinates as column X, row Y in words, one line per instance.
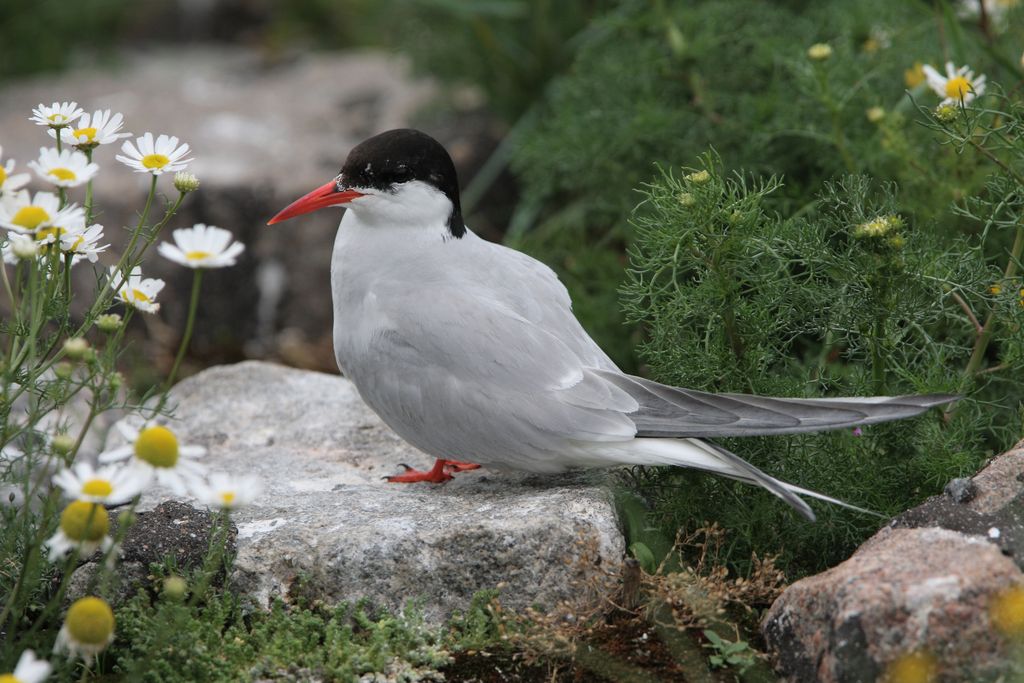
column 667, row 411
column 533, row 290
column 461, row 375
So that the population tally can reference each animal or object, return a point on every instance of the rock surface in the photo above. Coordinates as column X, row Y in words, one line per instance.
column 328, row 526
column 923, row 590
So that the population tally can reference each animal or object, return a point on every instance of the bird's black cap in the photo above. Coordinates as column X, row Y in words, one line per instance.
column 402, row 155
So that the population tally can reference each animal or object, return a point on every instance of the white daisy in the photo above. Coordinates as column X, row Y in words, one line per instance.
column 109, row 485
column 227, row 493
column 84, row 526
column 8, row 182
column 24, row 213
column 66, row 168
column 162, row 156
column 84, row 242
column 202, row 246
column 136, row 291
column 99, row 128
column 29, row 669
column 155, row 450
column 958, row 85
column 58, row 114
column 88, row 628
column 19, row 248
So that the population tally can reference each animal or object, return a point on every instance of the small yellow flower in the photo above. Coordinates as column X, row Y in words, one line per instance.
column 819, row 52
column 699, row 177
column 88, row 628
column 1006, row 611
column 878, row 227
column 913, row 667
column 914, row 76
column 995, row 289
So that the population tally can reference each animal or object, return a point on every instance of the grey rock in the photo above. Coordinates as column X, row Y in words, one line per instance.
column 173, row 531
column 329, row 527
column 926, row 583
column 905, row 591
column 961, row 490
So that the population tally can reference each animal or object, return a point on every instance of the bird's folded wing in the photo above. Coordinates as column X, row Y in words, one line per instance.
column 441, row 374
column 675, row 412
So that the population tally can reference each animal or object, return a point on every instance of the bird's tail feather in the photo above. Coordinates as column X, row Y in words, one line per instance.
column 703, row 455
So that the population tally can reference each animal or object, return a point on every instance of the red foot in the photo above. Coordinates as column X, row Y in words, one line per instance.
column 441, row 472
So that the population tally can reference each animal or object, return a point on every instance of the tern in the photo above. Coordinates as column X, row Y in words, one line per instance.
column 470, row 351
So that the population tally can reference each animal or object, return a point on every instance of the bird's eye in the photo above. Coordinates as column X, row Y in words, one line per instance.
column 402, row 174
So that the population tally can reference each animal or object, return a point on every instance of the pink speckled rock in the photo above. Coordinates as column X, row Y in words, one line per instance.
column 925, row 590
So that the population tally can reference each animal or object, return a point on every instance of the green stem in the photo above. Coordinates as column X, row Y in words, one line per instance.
column 981, row 342
column 878, row 358
column 197, row 281
column 88, row 193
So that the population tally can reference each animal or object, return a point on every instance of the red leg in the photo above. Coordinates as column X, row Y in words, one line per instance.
column 438, row 474
column 459, row 466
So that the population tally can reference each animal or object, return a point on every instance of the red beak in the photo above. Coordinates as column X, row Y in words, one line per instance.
column 327, row 194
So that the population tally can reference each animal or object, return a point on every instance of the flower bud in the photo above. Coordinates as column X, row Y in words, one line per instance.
column 76, row 348
column 819, row 52
column 175, row 588
column 699, row 177
column 875, row 114
column 687, row 199
column 116, row 380
column 63, row 370
column 946, row 113
column 25, row 248
column 109, row 322
column 185, row 182
column 62, row 444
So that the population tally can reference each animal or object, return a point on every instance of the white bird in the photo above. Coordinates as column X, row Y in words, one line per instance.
column 470, row 351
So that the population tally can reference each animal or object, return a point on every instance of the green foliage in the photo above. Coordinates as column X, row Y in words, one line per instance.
column 42, row 35
column 736, row 655
column 656, row 83
column 219, row 641
column 849, row 298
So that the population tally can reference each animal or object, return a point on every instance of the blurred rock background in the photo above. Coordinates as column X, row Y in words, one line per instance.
column 270, row 96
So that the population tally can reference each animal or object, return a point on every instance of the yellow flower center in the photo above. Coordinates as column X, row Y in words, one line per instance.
column 49, row 232
column 3, row 179
column 9, row 678
column 227, row 498
column 1006, row 611
column 97, row 487
column 82, row 521
column 30, row 217
column 78, row 242
column 197, row 255
column 89, row 133
column 957, row 87
column 155, row 161
column 62, row 173
column 137, row 295
column 57, row 118
column 158, row 446
column 90, row 621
